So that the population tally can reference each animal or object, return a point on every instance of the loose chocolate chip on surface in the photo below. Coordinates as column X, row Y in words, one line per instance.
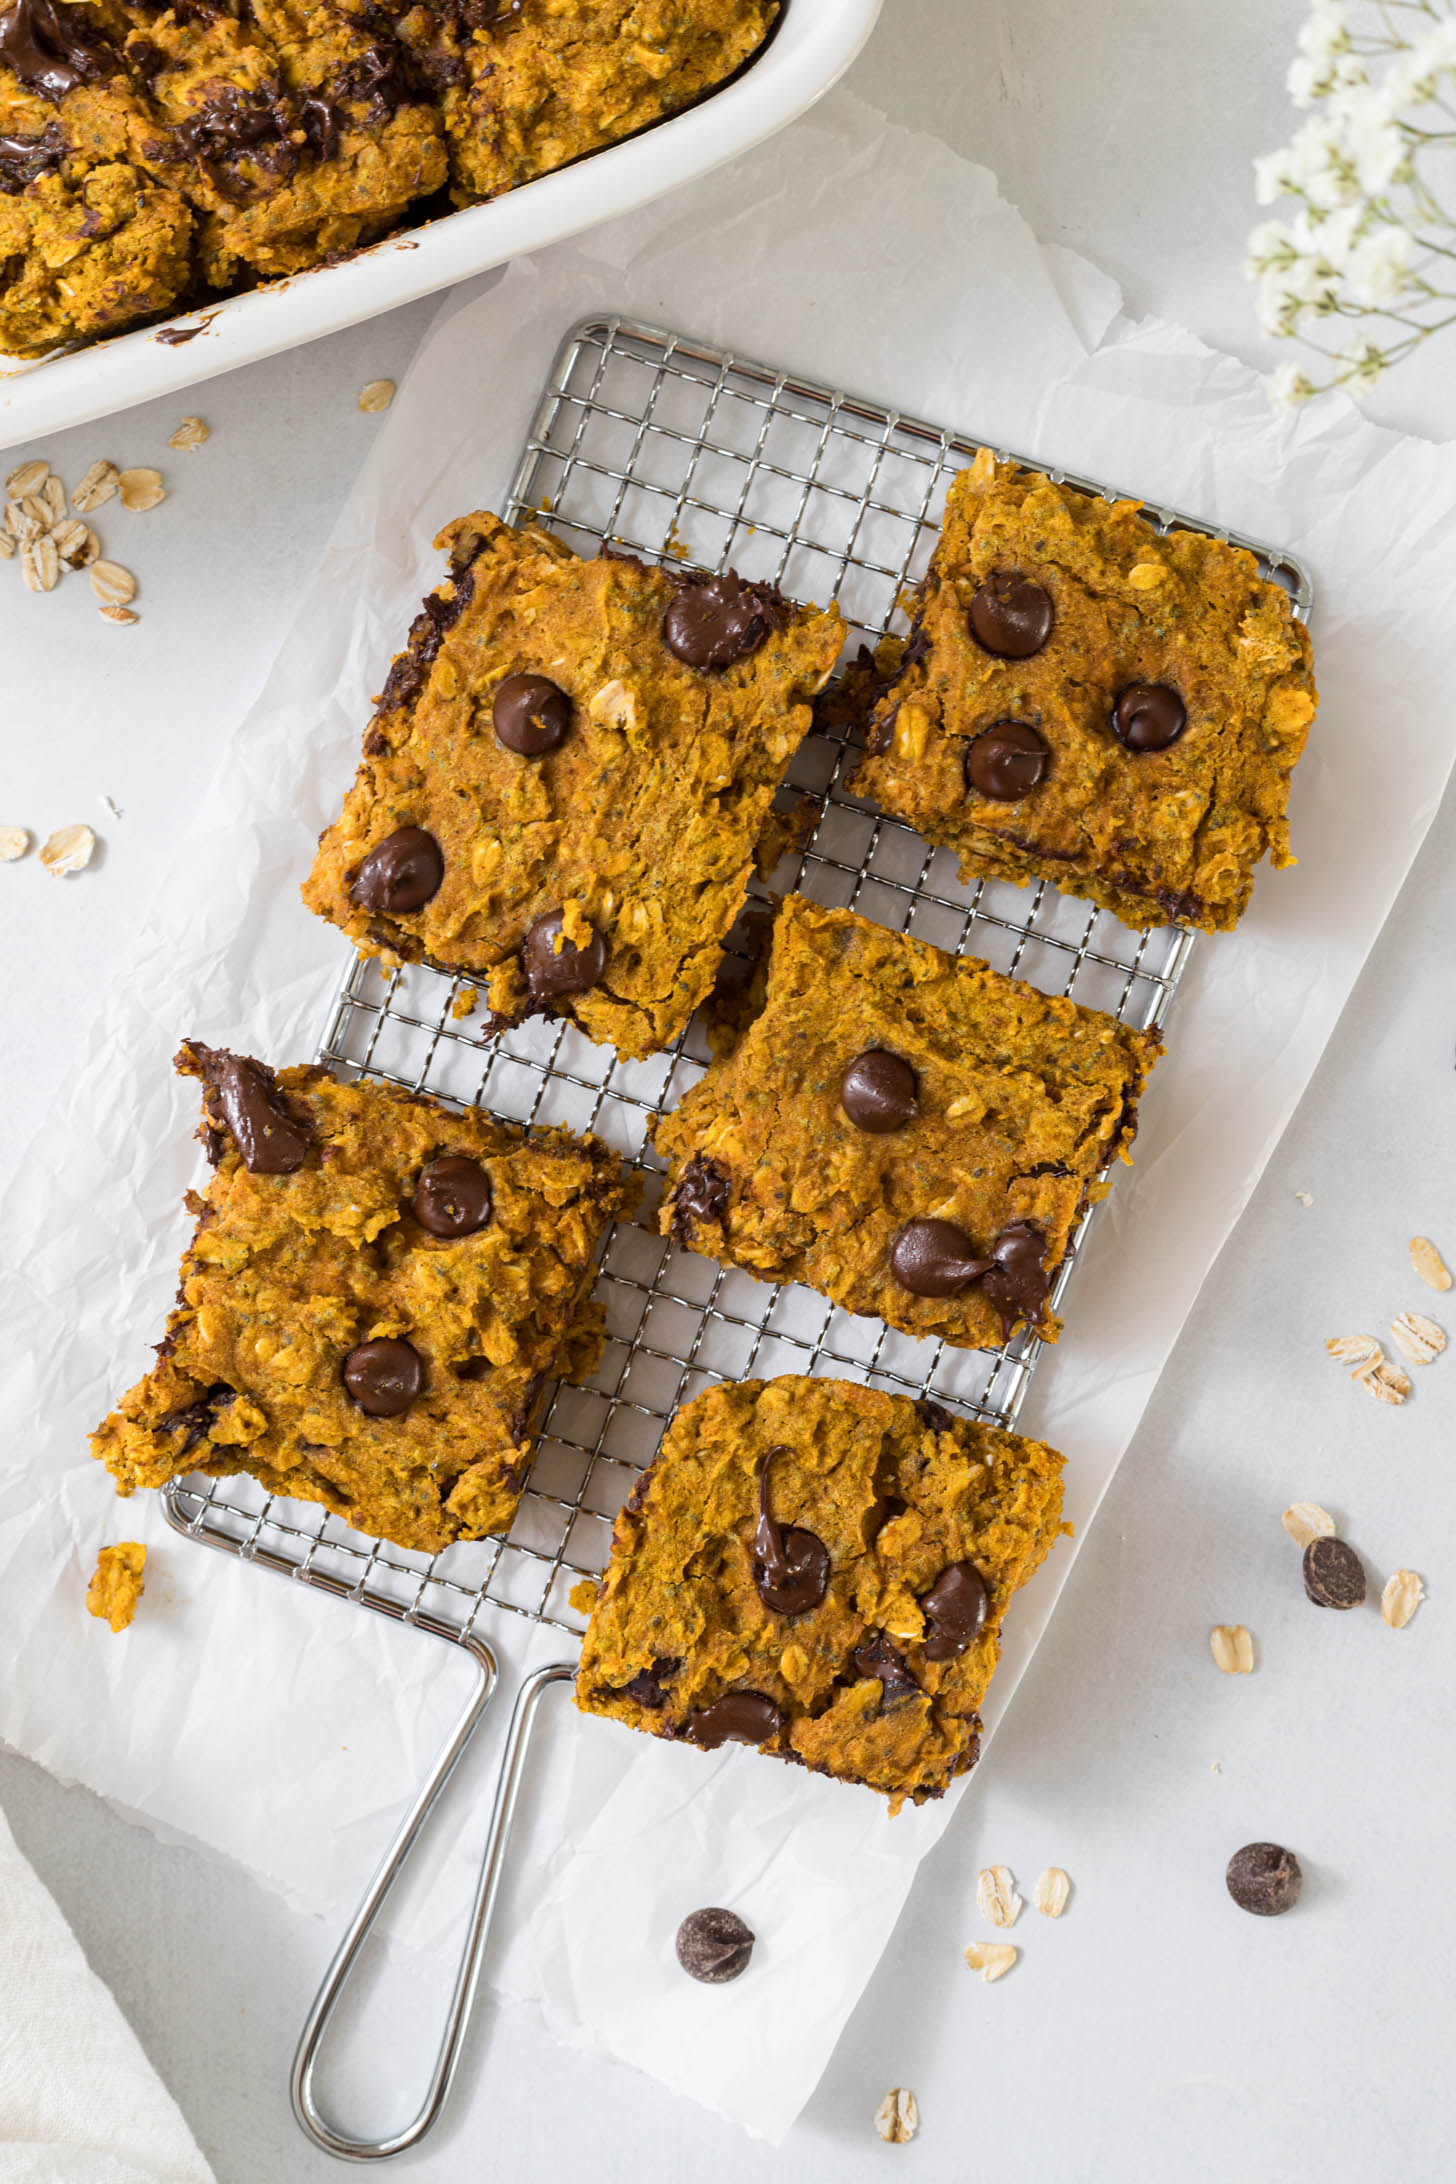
column 877, row 1658
column 1334, row 1575
column 452, row 1197
column 957, row 1605
column 400, row 873
column 716, row 620
column 270, row 1140
column 935, row 1259
column 714, row 1946
column 531, row 715
column 1011, row 616
column 1017, row 1283
column 791, row 1566
column 1148, row 717
column 1264, row 1878
column 551, row 971
column 384, row 1376
column 739, row 1717
column 1007, row 761
column 701, row 1195
column 878, row 1092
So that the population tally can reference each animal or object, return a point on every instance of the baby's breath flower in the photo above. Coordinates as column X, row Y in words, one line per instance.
column 1288, row 387
column 1377, row 271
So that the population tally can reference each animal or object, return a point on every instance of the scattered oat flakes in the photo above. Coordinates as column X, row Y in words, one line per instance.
column 1306, row 1198
column 118, row 1584
column 1403, row 1594
column 40, row 564
column 1051, row 1892
column 14, row 842
column 996, row 1897
column 1355, row 1350
column 28, row 477
column 1428, row 1263
column 1305, row 1520
column 53, row 496
column 112, row 584
column 68, row 850
column 898, row 2116
column 141, row 489
column 76, row 543
column 21, row 521
column 1386, row 1382
column 992, row 1959
column 377, row 395
column 1418, row 1338
column 7, row 544
column 122, row 615
column 1232, row 1648
column 190, row 434
column 98, row 485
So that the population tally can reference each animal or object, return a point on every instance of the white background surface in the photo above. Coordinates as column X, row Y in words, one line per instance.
column 1156, row 2033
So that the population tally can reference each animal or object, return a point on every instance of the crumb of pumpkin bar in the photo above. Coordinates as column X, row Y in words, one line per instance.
column 565, row 782
column 376, row 1294
column 118, row 1583
column 821, row 1570
column 525, row 86
column 1087, row 700
column 909, row 1132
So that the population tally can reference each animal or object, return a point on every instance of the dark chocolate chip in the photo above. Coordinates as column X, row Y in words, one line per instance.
column 714, row 1946
column 196, row 1419
column 1007, row 761
column 452, row 1197
column 24, row 158
column 52, row 48
column 1264, row 1878
column 1334, row 1575
column 935, row 1259
column 878, row 1092
column 400, row 873
column 877, row 1658
column 531, row 715
column 701, row 1195
column 1011, row 616
column 1148, row 717
column 646, row 1687
column 739, row 1717
column 791, row 1566
column 715, row 620
column 957, row 1605
column 552, row 971
column 1017, row 1282
column 384, row 1376
column 270, row 1139
column 935, row 1416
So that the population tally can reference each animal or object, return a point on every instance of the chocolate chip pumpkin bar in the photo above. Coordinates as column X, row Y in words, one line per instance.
column 908, row 1132
column 567, row 775
column 376, row 1294
column 1088, row 701
column 822, row 1570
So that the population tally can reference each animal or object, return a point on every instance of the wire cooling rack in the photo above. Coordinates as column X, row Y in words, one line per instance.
column 673, row 450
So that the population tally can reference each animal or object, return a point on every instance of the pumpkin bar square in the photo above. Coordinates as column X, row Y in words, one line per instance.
column 565, row 784
column 909, row 1132
column 376, row 1294
column 1086, row 700
column 821, row 1570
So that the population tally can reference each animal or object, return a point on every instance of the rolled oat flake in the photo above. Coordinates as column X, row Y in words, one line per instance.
column 714, row 1945
column 1264, row 1878
column 1334, row 1575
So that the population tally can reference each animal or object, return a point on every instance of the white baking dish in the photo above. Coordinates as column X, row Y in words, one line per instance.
column 815, row 42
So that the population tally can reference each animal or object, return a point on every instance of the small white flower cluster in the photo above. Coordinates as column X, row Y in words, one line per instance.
column 1369, row 237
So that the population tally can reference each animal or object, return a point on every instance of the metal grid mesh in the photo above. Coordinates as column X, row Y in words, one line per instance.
column 666, row 448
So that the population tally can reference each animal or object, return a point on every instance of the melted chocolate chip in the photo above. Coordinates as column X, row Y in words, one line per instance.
column 197, row 1419
column 1334, row 1575
column 452, row 1197
column 24, row 158
column 715, row 620
column 935, row 1416
column 531, row 715
column 739, row 1717
column 384, row 1376
column 1017, row 1282
column 935, row 1259
column 957, row 1605
column 1149, row 717
column 878, row 1659
column 714, row 1946
column 427, row 632
column 525, row 1410
column 646, row 1686
column 52, row 48
column 790, row 1565
column 552, row 972
column 270, row 1138
column 1011, row 616
column 1007, row 761
column 1264, row 1878
column 401, row 873
column 878, row 1092
column 235, row 123
column 701, row 1195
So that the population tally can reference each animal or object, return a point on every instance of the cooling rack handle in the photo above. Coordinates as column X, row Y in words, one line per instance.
column 467, row 1976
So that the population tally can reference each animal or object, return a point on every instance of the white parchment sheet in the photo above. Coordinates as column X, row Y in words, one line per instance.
column 285, row 1730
